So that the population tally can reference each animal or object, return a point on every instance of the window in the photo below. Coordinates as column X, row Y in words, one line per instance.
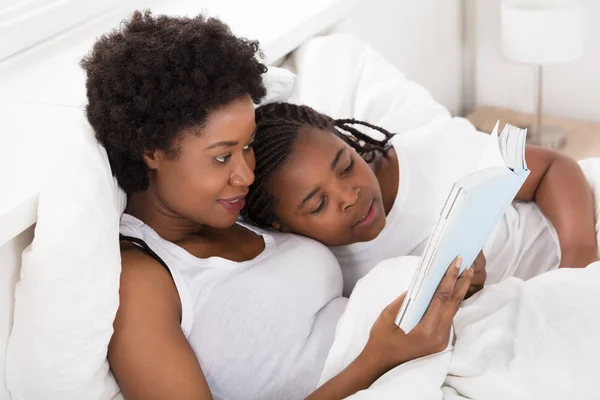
column 24, row 23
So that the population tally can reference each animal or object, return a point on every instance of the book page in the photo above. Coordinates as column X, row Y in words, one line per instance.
column 513, row 147
column 491, row 155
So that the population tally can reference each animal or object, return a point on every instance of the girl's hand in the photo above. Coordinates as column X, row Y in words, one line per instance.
column 388, row 346
column 479, row 275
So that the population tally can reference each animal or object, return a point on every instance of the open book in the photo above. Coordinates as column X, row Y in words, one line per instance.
column 474, row 207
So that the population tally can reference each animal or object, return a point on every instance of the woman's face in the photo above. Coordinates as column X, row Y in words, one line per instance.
column 208, row 179
column 326, row 191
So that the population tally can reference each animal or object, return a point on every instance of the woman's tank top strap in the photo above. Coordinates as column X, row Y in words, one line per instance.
column 146, row 248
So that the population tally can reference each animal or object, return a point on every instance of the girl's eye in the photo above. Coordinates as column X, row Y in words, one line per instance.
column 223, row 159
column 320, row 207
column 248, row 146
column 348, row 168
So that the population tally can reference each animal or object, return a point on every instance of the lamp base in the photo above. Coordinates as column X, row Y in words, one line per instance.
column 549, row 136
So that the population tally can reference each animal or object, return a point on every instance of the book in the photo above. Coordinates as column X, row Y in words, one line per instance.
column 473, row 209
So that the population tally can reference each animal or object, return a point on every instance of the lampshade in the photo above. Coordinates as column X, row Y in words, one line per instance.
column 542, row 32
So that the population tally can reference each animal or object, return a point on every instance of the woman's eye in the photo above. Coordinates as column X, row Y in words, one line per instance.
column 320, row 207
column 223, row 159
column 348, row 168
column 248, row 146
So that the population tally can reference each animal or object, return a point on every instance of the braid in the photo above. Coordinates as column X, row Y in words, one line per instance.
column 370, row 146
column 387, row 134
column 277, row 128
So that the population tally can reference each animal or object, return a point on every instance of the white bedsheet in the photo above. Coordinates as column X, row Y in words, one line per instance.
column 536, row 339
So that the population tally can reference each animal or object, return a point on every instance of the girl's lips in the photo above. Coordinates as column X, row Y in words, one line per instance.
column 368, row 216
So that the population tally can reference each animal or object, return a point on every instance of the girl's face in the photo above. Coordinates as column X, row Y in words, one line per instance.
column 208, row 178
column 326, row 191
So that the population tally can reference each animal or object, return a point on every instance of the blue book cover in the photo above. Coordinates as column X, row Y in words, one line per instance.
column 473, row 209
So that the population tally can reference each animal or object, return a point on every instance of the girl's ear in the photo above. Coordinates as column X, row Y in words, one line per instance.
column 280, row 227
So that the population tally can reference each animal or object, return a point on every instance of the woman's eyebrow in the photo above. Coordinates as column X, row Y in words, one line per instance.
column 230, row 143
column 227, row 143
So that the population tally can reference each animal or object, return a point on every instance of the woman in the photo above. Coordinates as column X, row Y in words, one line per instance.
column 210, row 307
column 370, row 199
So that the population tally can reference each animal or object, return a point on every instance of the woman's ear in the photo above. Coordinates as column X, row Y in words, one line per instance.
column 151, row 159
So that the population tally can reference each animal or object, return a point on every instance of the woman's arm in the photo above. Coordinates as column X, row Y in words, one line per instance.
column 148, row 353
column 558, row 186
column 388, row 346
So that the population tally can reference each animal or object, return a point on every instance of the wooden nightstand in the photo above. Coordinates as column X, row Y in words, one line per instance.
column 583, row 137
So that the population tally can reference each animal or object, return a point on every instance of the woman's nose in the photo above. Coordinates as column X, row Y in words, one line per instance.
column 243, row 175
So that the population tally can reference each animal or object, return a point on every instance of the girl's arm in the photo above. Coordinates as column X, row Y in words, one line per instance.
column 560, row 189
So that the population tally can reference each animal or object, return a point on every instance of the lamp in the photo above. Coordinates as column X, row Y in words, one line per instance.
column 542, row 32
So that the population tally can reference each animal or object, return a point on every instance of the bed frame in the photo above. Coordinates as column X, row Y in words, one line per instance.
column 49, row 75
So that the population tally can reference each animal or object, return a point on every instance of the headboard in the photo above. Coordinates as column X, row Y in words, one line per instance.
column 47, row 76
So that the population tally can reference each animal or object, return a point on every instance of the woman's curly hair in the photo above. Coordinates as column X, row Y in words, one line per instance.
column 155, row 76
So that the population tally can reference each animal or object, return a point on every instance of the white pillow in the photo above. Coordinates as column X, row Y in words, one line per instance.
column 279, row 83
column 67, row 298
column 345, row 78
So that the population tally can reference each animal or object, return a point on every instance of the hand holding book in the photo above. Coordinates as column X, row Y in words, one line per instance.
column 479, row 275
column 389, row 346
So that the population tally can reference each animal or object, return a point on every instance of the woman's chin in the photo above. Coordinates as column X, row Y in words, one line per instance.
column 224, row 222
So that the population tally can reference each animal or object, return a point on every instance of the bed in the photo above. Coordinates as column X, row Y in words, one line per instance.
column 41, row 102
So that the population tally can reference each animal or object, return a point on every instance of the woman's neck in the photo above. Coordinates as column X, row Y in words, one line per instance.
column 148, row 208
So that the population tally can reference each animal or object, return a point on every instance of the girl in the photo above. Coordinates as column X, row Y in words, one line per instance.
column 210, row 307
column 371, row 199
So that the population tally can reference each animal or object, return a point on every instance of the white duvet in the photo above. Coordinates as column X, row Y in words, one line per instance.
column 536, row 339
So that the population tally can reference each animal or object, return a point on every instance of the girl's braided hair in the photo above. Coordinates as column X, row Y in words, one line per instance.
column 277, row 128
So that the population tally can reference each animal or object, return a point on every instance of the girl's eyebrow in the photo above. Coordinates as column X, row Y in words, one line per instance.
column 309, row 196
column 316, row 190
column 337, row 158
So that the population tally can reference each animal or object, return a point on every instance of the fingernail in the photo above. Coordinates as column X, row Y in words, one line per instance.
column 458, row 262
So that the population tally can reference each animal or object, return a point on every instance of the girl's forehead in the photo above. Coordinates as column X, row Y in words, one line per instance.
column 317, row 138
column 314, row 148
column 309, row 162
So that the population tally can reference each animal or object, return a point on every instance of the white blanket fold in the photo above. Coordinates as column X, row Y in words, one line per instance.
column 536, row 339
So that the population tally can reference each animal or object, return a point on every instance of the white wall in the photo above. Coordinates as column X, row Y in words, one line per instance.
column 571, row 90
column 421, row 37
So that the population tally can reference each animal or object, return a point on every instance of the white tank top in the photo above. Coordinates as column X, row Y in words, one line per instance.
column 261, row 329
column 430, row 160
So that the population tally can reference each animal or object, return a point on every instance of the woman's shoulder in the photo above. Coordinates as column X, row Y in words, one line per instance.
column 284, row 237
column 291, row 244
column 141, row 274
column 285, row 241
